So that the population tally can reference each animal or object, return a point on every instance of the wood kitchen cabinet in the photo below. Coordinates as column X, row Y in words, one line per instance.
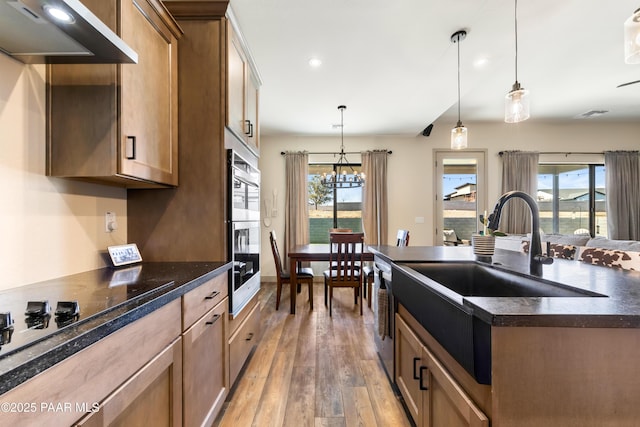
column 118, row 124
column 242, row 90
column 206, row 372
column 190, row 223
column 153, row 396
column 133, row 374
column 244, row 333
column 431, row 394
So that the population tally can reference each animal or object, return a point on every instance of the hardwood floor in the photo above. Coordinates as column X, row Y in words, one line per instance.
column 310, row 369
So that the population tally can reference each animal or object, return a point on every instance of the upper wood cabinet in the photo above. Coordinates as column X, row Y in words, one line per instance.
column 243, row 85
column 119, row 123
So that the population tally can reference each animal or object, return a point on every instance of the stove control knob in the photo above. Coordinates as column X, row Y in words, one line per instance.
column 67, row 309
column 5, row 321
column 6, row 328
column 38, row 308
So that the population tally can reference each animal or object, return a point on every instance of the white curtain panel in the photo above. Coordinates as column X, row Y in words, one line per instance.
column 375, row 209
column 296, row 202
column 519, row 172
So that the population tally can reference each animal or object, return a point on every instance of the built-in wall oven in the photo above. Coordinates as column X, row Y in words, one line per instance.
column 244, row 231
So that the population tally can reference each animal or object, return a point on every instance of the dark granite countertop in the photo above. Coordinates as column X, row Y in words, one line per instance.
column 619, row 308
column 109, row 299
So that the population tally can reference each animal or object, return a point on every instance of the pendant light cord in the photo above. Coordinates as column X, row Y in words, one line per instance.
column 515, row 20
column 458, row 43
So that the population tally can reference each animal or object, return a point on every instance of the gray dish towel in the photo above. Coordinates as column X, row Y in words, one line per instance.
column 383, row 313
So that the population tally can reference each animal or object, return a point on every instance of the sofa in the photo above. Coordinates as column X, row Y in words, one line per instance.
column 622, row 254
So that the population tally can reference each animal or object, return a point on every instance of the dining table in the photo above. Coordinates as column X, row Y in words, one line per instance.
column 309, row 253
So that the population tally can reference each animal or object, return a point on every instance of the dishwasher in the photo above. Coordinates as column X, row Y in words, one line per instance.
column 384, row 309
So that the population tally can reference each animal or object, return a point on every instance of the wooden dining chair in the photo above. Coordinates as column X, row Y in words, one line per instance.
column 402, row 239
column 339, row 230
column 346, row 252
column 303, row 275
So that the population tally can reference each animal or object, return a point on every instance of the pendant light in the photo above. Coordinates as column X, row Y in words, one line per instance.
column 458, row 133
column 516, row 103
column 632, row 38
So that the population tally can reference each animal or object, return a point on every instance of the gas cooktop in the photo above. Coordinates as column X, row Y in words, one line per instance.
column 34, row 312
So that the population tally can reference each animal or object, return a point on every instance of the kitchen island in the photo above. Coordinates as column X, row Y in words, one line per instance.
column 553, row 361
column 143, row 333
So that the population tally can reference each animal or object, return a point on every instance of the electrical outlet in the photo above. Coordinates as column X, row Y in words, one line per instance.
column 110, row 222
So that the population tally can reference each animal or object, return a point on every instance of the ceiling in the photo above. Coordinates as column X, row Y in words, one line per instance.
column 392, row 63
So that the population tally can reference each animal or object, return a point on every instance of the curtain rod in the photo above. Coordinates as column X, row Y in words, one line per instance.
column 336, row 153
column 566, row 153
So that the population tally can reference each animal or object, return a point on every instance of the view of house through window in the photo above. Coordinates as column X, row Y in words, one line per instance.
column 331, row 208
column 571, row 198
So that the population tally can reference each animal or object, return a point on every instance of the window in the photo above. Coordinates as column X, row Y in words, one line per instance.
column 337, row 208
column 572, row 199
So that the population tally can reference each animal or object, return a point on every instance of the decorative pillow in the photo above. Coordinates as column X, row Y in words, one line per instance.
column 557, row 250
column 561, row 251
column 626, row 260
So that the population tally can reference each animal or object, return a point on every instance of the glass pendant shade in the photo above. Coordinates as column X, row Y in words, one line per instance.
column 516, row 105
column 632, row 38
column 458, row 133
column 459, row 137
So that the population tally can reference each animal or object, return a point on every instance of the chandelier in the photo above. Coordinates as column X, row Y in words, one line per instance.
column 344, row 175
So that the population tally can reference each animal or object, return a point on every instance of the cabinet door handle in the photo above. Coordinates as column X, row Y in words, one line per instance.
column 248, row 127
column 213, row 320
column 130, row 148
column 250, row 336
column 250, row 130
column 212, row 295
column 415, row 368
column 422, row 386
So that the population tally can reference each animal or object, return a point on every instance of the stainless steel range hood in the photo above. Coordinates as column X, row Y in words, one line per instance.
column 30, row 33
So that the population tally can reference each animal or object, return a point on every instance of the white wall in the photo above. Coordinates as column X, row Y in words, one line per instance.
column 411, row 168
column 49, row 227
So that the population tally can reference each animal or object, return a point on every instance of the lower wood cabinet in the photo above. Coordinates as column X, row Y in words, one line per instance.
column 153, row 396
column 152, row 372
column 205, row 381
column 134, row 372
column 244, row 335
column 431, row 394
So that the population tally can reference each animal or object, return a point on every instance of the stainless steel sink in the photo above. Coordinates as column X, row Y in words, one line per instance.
column 471, row 279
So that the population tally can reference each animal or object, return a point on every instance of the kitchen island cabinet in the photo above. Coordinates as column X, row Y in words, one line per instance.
column 564, row 361
column 431, row 394
column 118, row 124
